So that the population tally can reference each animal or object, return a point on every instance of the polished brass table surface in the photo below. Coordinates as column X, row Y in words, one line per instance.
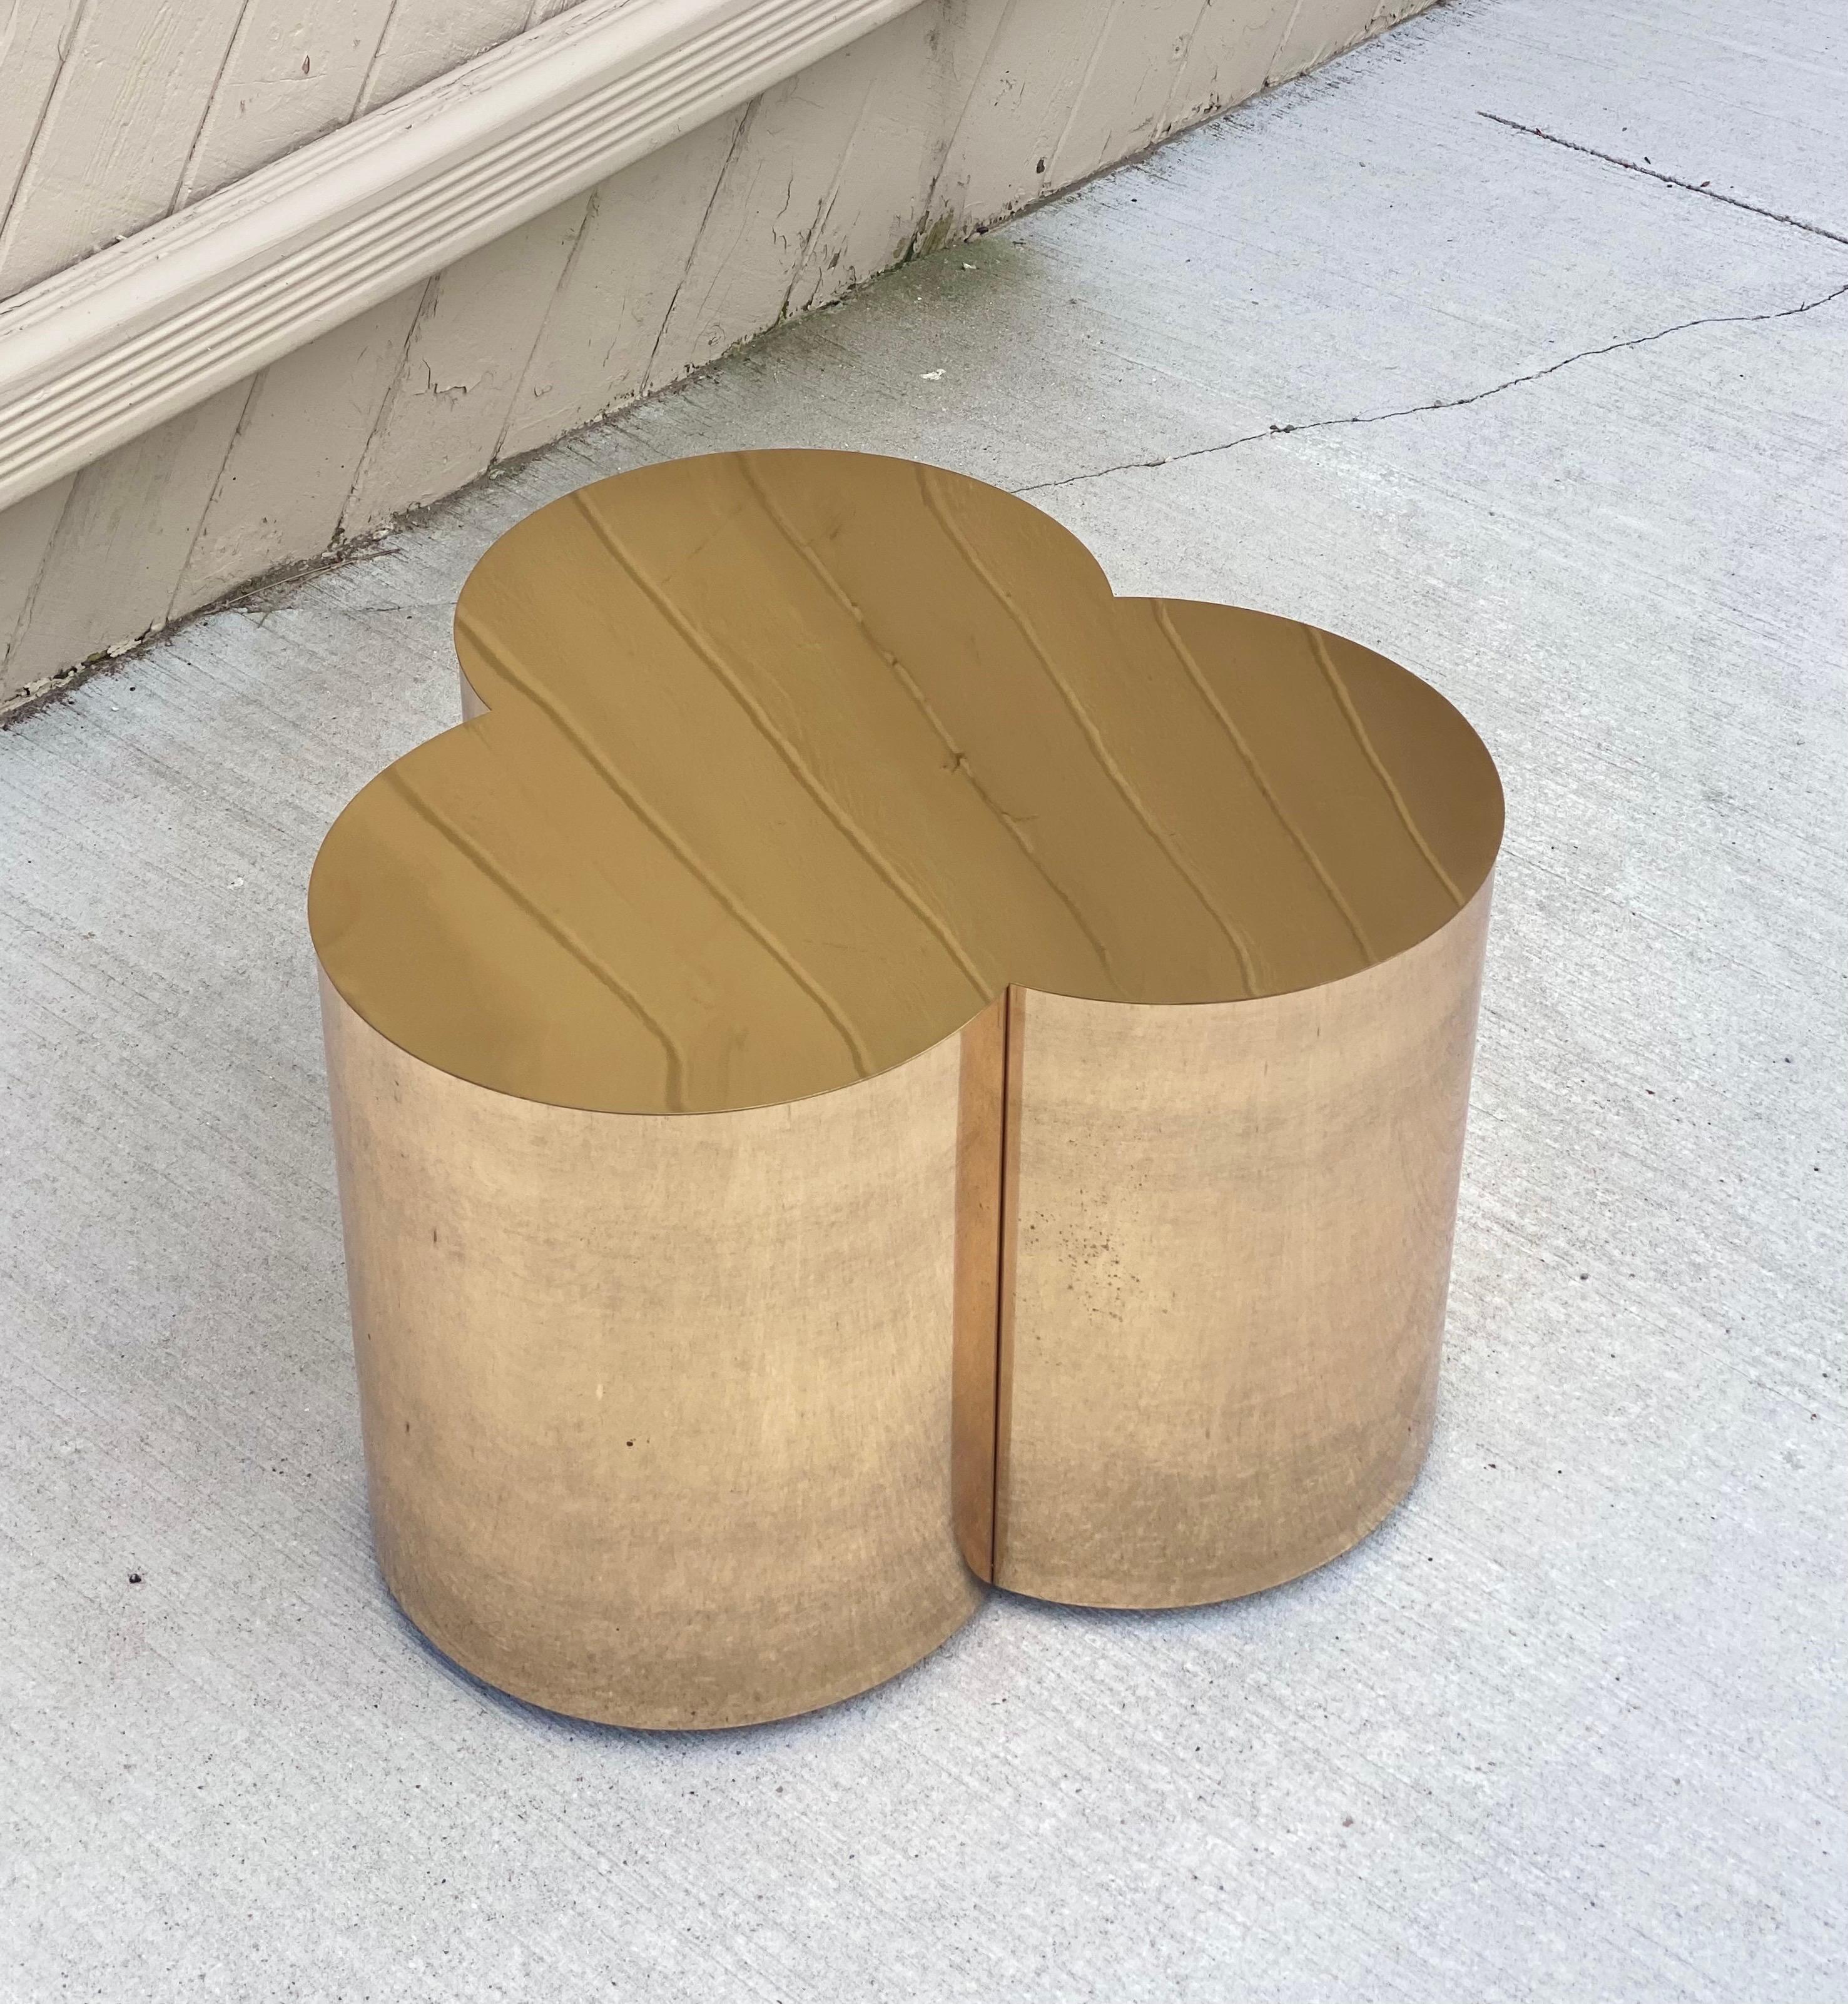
column 795, row 760
column 1073, row 998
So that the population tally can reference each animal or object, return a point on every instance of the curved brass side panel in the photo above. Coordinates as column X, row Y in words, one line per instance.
column 657, row 1409
column 1231, row 1245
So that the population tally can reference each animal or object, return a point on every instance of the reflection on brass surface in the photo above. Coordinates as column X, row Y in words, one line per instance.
column 1234, row 1232
column 657, row 1411
column 981, row 1162
column 1075, row 995
column 795, row 760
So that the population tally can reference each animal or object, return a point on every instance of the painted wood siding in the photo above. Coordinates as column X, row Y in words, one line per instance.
column 115, row 113
column 952, row 116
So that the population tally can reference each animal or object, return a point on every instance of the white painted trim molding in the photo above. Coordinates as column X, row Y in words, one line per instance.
column 135, row 334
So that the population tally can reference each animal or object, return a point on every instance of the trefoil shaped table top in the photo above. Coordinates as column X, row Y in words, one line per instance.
column 795, row 760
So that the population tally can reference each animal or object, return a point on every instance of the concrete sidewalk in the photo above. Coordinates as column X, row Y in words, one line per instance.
column 1565, row 437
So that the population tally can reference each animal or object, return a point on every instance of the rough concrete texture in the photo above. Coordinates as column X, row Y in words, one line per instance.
column 1570, row 1726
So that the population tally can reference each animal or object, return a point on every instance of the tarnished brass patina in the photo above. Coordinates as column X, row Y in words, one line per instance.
column 868, row 1053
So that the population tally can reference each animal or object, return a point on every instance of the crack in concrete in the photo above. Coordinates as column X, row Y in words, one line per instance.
column 1668, row 181
column 1436, row 403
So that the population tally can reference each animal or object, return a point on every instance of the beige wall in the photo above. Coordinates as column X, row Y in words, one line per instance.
column 113, row 115
column 957, row 114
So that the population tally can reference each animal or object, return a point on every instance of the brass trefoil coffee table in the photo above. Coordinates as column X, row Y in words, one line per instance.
column 870, row 1066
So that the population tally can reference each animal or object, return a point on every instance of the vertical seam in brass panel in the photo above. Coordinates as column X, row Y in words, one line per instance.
column 1013, row 1040
column 981, row 1088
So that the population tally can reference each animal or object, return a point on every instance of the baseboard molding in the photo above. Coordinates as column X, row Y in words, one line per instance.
column 137, row 333
column 192, row 411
